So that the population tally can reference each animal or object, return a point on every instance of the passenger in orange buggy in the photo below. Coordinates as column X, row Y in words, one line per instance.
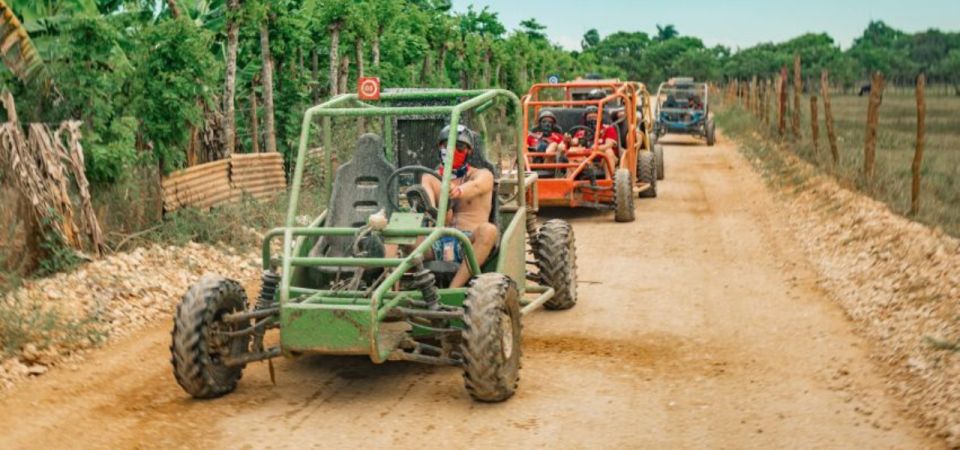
column 546, row 137
column 607, row 142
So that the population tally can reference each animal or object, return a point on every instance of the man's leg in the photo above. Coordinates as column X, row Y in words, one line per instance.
column 611, row 159
column 484, row 239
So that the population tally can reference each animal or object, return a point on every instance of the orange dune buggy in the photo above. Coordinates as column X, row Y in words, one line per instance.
column 584, row 177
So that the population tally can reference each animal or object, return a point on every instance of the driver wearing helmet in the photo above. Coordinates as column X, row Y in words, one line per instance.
column 546, row 137
column 471, row 199
column 606, row 142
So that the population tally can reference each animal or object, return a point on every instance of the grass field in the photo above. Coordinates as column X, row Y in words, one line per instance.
column 896, row 139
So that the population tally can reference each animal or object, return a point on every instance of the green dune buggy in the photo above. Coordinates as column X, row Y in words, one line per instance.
column 333, row 288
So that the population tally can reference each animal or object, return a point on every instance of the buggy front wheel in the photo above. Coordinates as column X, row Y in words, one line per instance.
column 200, row 343
column 491, row 338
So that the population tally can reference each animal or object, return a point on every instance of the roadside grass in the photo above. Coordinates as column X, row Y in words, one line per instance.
column 896, row 138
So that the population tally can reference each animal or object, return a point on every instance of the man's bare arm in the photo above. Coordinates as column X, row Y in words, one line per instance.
column 481, row 184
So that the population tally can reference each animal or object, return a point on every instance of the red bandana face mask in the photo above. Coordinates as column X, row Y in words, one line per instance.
column 460, row 165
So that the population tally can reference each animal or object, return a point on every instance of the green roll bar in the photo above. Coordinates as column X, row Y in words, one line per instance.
column 349, row 105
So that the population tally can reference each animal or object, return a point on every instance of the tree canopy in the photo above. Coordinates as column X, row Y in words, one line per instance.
column 146, row 77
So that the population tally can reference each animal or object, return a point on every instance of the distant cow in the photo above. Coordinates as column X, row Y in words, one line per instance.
column 865, row 89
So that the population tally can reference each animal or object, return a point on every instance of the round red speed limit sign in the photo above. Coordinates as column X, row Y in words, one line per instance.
column 368, row 88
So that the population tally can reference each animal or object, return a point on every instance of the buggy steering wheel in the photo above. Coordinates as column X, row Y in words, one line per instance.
column 416, row 193
column 586, row 131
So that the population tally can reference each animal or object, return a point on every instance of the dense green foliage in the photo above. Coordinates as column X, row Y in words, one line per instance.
column 144, row 82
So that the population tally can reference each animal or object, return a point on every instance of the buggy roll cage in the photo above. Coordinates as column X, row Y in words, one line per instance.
column 666, row 88
column 625, row 91
column 349, row 105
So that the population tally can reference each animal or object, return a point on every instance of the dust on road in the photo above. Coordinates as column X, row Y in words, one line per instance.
column 699, row 325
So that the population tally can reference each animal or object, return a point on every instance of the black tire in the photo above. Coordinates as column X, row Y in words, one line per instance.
column 623, row 196
column 658, row 159
column 647, row 173
column 196, row 351
column 491, row 338
column 711, row 132
column 557, row 260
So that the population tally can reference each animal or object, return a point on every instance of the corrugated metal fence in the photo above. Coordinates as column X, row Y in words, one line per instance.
column 203, row 186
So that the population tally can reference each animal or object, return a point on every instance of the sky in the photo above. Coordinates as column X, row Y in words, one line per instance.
column 731, row 23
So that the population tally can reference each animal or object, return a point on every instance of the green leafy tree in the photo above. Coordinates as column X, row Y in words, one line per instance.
column 174, row 75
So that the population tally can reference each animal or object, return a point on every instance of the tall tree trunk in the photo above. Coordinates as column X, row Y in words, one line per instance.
column 425, row 72
column 230, row 87
column 335, row 57
column 344, row 74
column 441, row 63
column 315, row 74
column 268, row 126
column 486, row 68
column 375, row 47
column 462, row 62
column 358, row 54
column 254, row 123
column 174, row 9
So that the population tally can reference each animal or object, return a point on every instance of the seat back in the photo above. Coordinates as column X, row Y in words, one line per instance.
column 359, row 190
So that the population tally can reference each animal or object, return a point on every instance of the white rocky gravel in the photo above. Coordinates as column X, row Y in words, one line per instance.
column 899, row 282
column 113, row 297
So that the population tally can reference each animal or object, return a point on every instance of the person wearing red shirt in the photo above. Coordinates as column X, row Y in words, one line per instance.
column 607, row 142
column 546, row 136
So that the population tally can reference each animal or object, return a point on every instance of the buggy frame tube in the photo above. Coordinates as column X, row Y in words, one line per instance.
column 328, row 110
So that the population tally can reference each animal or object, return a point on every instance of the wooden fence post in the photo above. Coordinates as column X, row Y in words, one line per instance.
column 873, row 116
column 828, row 116
column 797, row 87
column 814, row 125
column 767, row 94
column 782, row 103
column 918, row 153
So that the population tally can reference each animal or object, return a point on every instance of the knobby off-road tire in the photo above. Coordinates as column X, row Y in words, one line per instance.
column 491, row 338
column 196, row 349
column 658, row 159
column 711, row 132
column 623, row 196
column 647, row 173
column 557, row 261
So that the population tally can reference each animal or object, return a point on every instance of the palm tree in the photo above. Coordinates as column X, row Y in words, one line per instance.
column 230, row 78
column 666, row 32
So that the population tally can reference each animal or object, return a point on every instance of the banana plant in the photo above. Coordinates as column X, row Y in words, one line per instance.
column 19, row 53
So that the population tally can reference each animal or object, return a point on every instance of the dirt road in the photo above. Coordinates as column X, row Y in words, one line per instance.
column 699, row 326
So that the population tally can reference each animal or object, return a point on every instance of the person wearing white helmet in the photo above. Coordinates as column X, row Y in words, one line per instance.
column 471, row 198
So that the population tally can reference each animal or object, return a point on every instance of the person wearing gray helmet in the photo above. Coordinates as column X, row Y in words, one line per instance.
column 471, row 198
column 606, row 142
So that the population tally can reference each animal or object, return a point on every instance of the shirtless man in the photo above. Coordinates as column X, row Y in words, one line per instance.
column 471, row 196
column 607, row 142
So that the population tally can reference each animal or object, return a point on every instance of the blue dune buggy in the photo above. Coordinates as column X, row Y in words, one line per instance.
column 683, row 108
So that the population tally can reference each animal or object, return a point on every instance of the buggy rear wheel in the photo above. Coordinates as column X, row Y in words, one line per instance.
column 198, row 348
column 658, row 160
column 557, row 260
column 623, row 196
column 711, row 132
column 647, row 173
column 491, row 338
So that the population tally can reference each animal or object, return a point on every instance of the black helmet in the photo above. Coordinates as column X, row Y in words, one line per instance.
column 546, row 114
column 464, row 135
column 590, row 110
column 595, row 94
